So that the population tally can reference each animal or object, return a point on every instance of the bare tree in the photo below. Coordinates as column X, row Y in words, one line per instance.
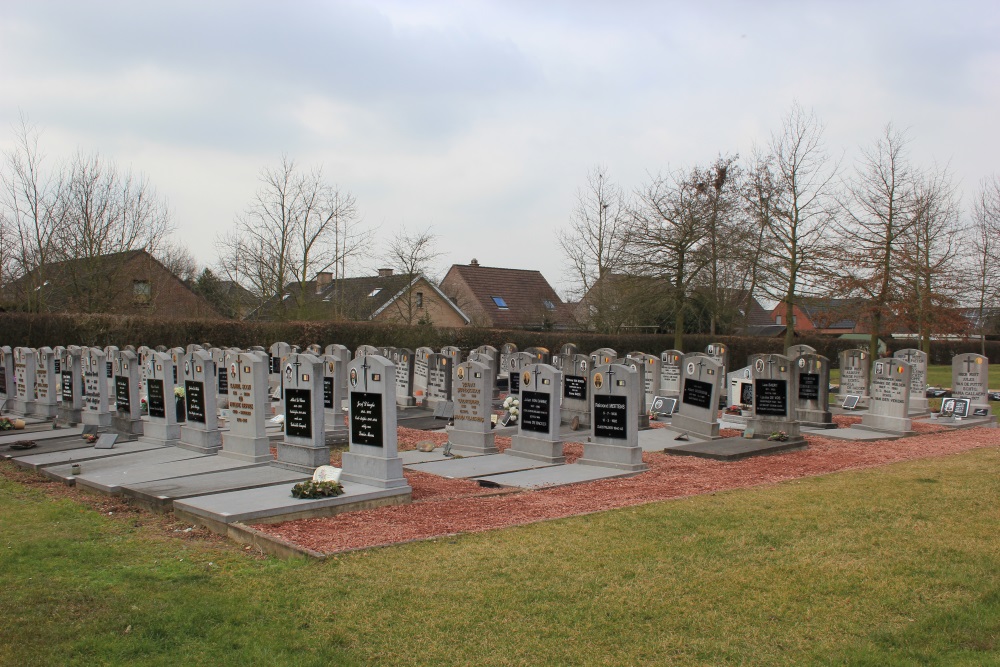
column 412, row 254
column 177, row 258
column 985, row 255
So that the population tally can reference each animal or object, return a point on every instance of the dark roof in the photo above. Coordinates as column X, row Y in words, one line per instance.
column 765, row 330
column 831, row 313
column 529, row 299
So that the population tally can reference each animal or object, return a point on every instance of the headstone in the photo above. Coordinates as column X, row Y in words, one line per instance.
column 387, row 352
column 670, row 372
column 420, row 374
column 569, row 350
column 249, row 403
column 304, row 445
column 109, row 360
column 71, row 386
column 889, row 404
column 720, row 352
column 507, row 350
column 539, row 355
column 314, row 350
column 576, row 397
column 95, row 395
column 651, row 381
column 698, row 410
column 970, row 377
column 365, row 351
column 811, row 390
column 773, row 409
column 473, row 391
column 854, row 368
column 333, row 394
column 640, row 369
column 373, row 458
column 455, row 355
column 343, row 354
column 200, row 432
column 603, row 356
column 127, row 419
column 488, row 351
column 161, row 425
column 918, row 379
column 46, row 384
column 616, row 400
column 278, row 353
column 221, row 377
column 25, row 364
column 539, row 419
column 402, row 359
column 143, row 354
column 440, row 380
column 7, row 384
column 796, row 351
column 740, row 384
column 516, row 365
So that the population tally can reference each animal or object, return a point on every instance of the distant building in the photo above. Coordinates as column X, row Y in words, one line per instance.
column 822, row 316
column 126, row 283
column 500, row 298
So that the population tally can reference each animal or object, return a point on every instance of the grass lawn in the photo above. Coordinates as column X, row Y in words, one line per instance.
column 892, row 566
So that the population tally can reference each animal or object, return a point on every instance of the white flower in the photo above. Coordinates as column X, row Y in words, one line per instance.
column 513, row 411
column 507, row 401
column 515, row 402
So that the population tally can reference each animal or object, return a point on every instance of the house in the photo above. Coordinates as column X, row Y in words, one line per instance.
column 500, row 298
column 126, row 283
column 386, row 297
column 822, row 315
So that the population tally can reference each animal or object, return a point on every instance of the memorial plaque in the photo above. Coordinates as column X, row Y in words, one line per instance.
column 809, row 386
column 746, row 393
column 194, row 399
column 575, row 387
column 771, row 397
column 962, row 407
column 366, row 418
column 122, row 403
column 223, row 377
column 57, row 365
column 663, row 405
column 111, row 372
column 67, row 386
column 298, row 413
column 515, row 382
column 611, row 416
column 536, row 411
column 155, row 399
column 328, row 393
column 851, row 401
column 275, row 364
column 697, row 393
column 981, row 412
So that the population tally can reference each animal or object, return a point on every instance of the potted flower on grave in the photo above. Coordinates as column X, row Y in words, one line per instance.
column 511, row 404
column 6, row 424
column 179, row 402
column 143, row 406
column 778, row 436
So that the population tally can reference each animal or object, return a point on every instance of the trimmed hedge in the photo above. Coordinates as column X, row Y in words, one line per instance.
column 36, row 330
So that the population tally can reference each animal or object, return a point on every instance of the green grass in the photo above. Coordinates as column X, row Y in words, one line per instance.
column 893, row 566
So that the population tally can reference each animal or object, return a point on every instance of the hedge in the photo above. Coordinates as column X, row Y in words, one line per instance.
column 36, row 330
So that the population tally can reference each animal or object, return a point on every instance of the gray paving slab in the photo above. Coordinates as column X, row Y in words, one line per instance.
column 160, row 494
column 413, row 456
column 477, row 466
column 275, row 503
column 852, row 433
column 37, row 461
column 734, row 449
column 112, row 480
column 552, row 476
column 13, row 436
column 92, row 468
column 658, row 439
column 46, row 446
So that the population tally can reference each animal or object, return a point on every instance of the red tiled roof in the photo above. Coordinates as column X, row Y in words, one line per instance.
column 530, row 300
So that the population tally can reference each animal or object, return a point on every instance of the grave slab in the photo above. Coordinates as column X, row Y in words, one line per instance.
column 852, row 433
column 93, row 467
column 45, row 446
column 658, row 439
column 39, row 461
column 477, row 466
column 553, row 476
column 272, row 504
column 111, row 481
column 734, row 449
column 159, row 495
column 412, row 456
column 50, row 434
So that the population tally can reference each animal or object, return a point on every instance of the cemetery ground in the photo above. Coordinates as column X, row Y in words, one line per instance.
column 893, row 564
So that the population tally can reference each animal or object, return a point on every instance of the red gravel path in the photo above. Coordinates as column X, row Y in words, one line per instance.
column 443, row 507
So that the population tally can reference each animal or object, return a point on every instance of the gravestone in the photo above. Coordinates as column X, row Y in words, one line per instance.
column 343, row 354
column 25, row 365
column 71, row 386
column 970, row 377
column 651, row 378
column 7, row 384
column 507, row 350
column 46, row 384
column 402, row 359
column 278, row 354
column 740, row 384
column 640, row 369
column 127, row 418
column 440, row 379
column 773, row 408
column 455, row 355
column 142, row 354
column 109, row 360
column 796, row 351
column 365, row 351
column 249, row 404
column 603, row 356
column 494, row 355
column 569, row 350
column 889, row 403
column 670, row 373
column 304, row 446
column 539, row 355
column 95, row 388
column 811, row 390
column 698, row 410
column 334, row 369
column 918, row 379
column 200, row 433
column 720, row 353
column 473, row 391
column 420, row 374
column 616, row 399
column 221, row 377
column 387, row 352
column 373, row 458
column 576, row 395
column 538, row 423
column 161, row 425
column 314, row 350
column 854, row 380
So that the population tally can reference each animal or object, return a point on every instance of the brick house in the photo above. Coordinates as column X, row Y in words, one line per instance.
column 126, row 283
column 822, row 316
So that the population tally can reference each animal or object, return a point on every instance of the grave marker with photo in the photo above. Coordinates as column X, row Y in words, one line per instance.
column 25, row 364
column 539, row 419
column 46, row 384
column 304, row 446
column 889, row 404
column 970, row 378
column 918, row 379
column 698, row 410
column 616, row 398
column 71, row 385
column 670, row 373
column 473, row 391
column 249, row 404
column 127, row 419
column 200, row 432
column 854, row 380
column 95, row 388
column 161, row 426
column 811, row 389
column 773, row 403
column 576, row 398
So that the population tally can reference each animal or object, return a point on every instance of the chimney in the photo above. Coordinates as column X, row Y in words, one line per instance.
column 323, row 278
column 474, row 262
column 384, row 273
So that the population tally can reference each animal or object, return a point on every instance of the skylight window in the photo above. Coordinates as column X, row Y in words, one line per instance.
column 498, row 300
column 548, row 304
column 375, row 292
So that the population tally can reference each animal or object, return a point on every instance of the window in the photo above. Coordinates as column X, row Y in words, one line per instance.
column 793, row 319
column 142, row 291
column 501, row 304
column 548, row 304
column 375, row 292
column 777, row 319
column 420, row 299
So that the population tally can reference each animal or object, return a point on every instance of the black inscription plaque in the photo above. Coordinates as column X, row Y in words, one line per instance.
column 771, row 397
column 223, row 376
column 3, row 378
column 366, row 419
column 67, row 386
column 328, row 393
column 536, row 411
column 575, row 386
column 194, row 401
column 298, row 413
column 611, row 417
column 275, row 364
column 515, row 382
column 111, row 369
column 56, row 366
column 122, row 402
column 157, row 404
column 697, row 393
column 746, row 393
column 809, row 387
column 962, row 407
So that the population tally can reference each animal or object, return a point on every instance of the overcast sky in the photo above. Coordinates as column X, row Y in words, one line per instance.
column 482, row 119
